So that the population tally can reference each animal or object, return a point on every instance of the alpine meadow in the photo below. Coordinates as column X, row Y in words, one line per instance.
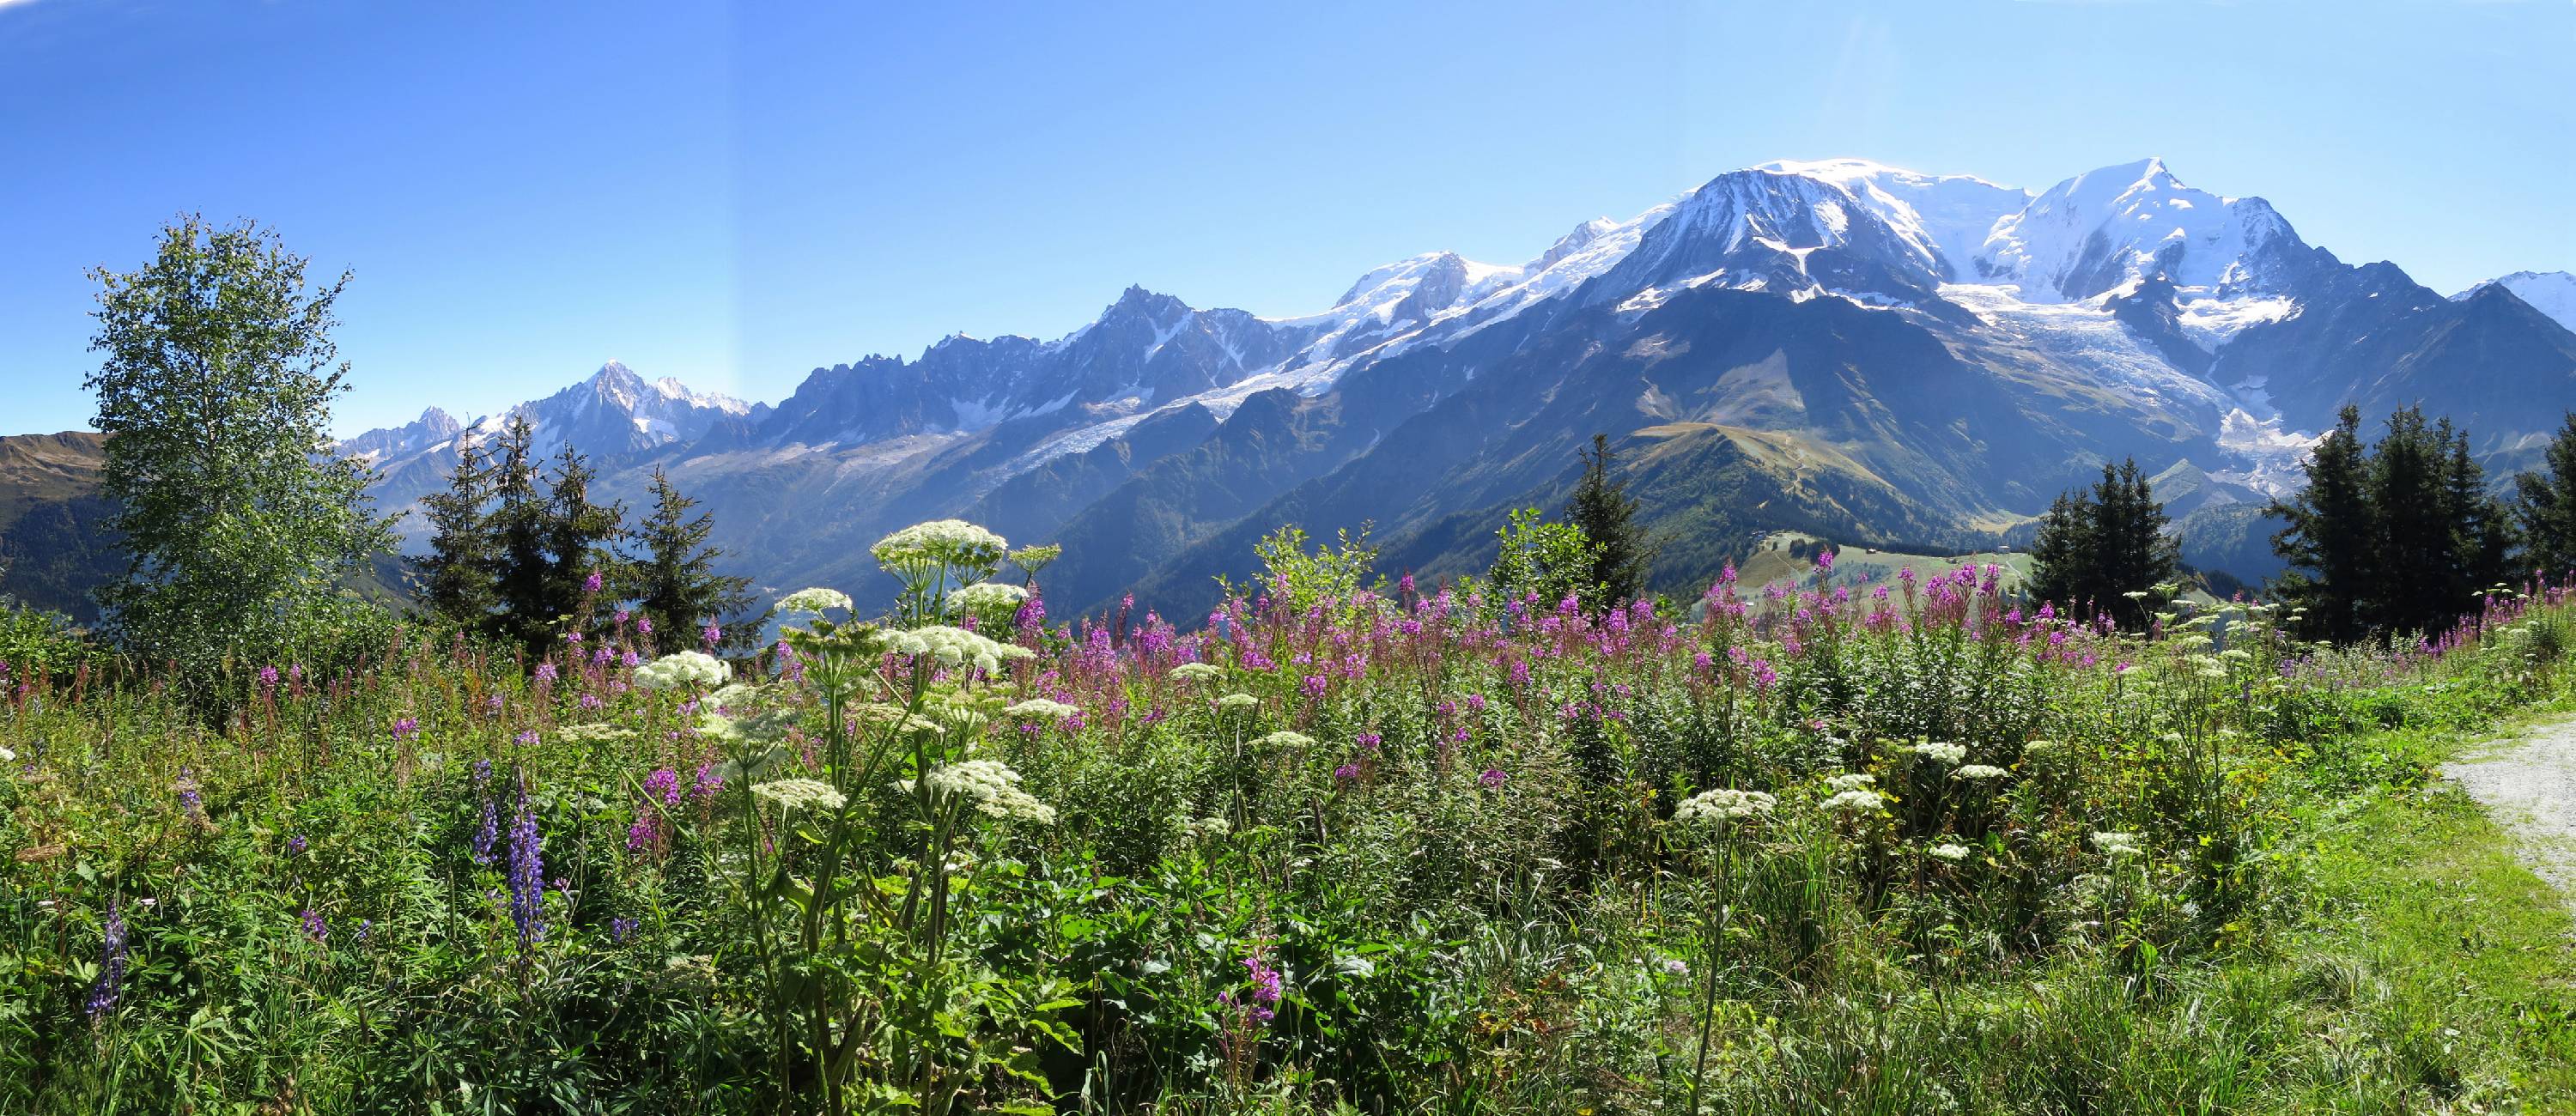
column 1842, row 640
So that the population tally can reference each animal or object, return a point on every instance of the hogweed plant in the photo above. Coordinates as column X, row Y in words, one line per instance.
column 1342, row 843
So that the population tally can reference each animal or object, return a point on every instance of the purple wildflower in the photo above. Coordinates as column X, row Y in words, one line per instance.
column 406, row 728
column 592, row 583
column 313, row 925
column 621, row 928
column 111, row 963
column 295, row 845
column 527, row 874
column 1493, row 777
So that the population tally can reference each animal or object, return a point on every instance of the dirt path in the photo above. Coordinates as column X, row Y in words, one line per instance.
column 2528, row 784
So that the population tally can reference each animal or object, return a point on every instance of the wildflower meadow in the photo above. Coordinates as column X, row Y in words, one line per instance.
column 1345, row 844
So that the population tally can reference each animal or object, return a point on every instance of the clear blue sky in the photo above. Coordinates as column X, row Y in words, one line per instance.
column 736, row 193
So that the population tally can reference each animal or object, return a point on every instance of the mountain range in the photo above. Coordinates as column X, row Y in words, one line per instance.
column 1855, row 350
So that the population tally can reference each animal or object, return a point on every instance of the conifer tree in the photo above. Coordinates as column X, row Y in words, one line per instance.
column 2545, row 509
column 1607, row 515
column 518, row 535
column 2095, row 548
column 672, row 575
column 580, row 543
column 2328, row 543
column 456, row 578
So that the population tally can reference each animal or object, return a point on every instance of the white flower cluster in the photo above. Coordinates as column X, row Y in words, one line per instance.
column 731, row 694
column 790, row 794
column 953, row 542
column 673, row 671
column 1237, row 701
column 1198, row 672
column 1855, row 802
column 1042, row 708
column 988, row 598
column 813, row 602
column 993, row 787
column 2115, row 844
column 954, row 647
column 1208, row 828
column 1945, row 753
column 1850, row 782
column 1724, row 805
column 1950, row 851
column 596, row 732
column 1978, row 771
column 1286, row 739
column 720, row 728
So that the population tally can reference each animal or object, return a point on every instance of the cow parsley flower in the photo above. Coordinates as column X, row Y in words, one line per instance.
column 1942, row 752
column 993, row 788
column 1855, row 802
column 1855, row 781
column 791, row 794
column 955, row 647
column 952, row 542
column 990, row 598
column 1237, row 701
column 1198, row 672
column 813, row 602
column 1723, row 805
column 1286, row 739
column 682, row 668
column 2115, row 844
column 1042, row 709
column 1978, row 771
column 1949, row 851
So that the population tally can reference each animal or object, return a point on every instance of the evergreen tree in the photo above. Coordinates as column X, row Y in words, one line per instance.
column 518, row 532
column 2328, row 543
column 1607, row 516
column 580, row 543
column 2095, row 548
column 2412, row 534
column 240, row 524
column 2545, row 509
column 672, row 578
column 457, row 583
column 2482, row 526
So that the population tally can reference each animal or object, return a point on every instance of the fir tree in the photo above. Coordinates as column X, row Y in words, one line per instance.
column 2545, row 509
column 2328, row 543
column 2095, row 548
column 672, row 577
column 456, row 583
column 518, row 534
column 580, row 539
column 1607, row 516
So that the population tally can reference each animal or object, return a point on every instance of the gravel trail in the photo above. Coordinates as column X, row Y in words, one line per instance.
column 2528, row 784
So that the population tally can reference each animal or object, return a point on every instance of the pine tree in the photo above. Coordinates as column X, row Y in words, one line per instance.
column 1607, row 515
column 2481, row 526
column 2545, row 509
column 456, row 578
column 240, row 524
column 672, row 577
column 2329, row 542
column 2413, row 528
column 2096, row 548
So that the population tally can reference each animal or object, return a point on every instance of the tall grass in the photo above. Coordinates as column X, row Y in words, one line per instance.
column 1378, row 851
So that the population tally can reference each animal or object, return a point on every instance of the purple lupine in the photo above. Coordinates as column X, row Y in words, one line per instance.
column 295, row 845
column 111, row 963
column 314, row 928
column 528, row 739
column 407, row 727
column 527, row 874
column 489, row 833
column 621, row 928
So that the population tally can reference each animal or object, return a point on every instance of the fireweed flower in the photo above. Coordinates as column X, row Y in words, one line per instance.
column 1493, row 777
column 710, row 635
column 591, row 583
column 1347, row 771
column 407, row 727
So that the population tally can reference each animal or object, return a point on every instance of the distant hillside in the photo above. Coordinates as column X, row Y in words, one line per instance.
column 54, row 542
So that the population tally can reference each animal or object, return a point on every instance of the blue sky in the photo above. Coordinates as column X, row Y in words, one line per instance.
column 737, row 193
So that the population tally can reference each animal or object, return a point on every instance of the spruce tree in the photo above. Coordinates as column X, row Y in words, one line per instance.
column 1607, row 515
column 672, row 575
column 2330, row 538
column 2545, row 509
column 456, row 582
column 240, row 523
column 2095, row 548
column 518, row 535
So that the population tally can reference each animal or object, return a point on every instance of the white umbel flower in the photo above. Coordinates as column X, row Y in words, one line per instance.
column 1286, row 739
column 1855, row 781
column 1977, row 771
column 993, row 787
column 990, row 597
column 683, row 668
column 951, row 541
column 1943, row 752
column 1042, row 709
column 791, row 794
column 1950, row 851
column 813, row 602
column 955, row 647
column 1855, row 802
column 1197, row 672
column 1723, row 805
column 1237, row 701
column 2115, row 844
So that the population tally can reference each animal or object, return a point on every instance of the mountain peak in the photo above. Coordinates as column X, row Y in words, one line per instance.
column 2550, row 292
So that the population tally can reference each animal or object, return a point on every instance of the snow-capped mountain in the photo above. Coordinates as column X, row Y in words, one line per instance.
column 2550, row 292
column 1839, row 345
